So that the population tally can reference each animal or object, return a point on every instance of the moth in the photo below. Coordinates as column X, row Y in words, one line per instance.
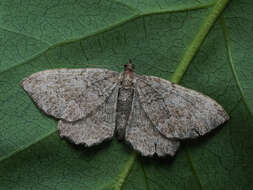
column 149, row 113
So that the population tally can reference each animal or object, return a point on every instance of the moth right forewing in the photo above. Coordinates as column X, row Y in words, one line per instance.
column 70, row 94
column 178, row 112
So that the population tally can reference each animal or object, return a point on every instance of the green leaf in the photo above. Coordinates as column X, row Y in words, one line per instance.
column 177, row 40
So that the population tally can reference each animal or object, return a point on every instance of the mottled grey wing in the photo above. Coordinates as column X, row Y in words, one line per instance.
column 178, row 112
column 98, row 126
column 143, row 136
column 70, row 94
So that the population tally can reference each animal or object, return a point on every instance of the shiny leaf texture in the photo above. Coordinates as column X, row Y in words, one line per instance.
column 192, row 42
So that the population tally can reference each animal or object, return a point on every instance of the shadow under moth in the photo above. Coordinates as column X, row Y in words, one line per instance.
column 149, row 113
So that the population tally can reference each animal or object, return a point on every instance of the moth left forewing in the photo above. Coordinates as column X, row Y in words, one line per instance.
column 70, row 94
column 178, row 112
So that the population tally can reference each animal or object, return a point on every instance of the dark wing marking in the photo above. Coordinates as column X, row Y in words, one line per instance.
column 144, row 137
column 178, row 112
column 96, row 127
column 70, row 94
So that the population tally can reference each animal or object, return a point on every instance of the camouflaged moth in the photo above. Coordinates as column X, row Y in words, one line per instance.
column 150, row 113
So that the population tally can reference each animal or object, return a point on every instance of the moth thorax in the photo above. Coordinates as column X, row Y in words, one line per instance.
column 127, row 79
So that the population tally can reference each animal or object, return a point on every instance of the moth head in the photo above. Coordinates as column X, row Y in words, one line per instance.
column 129, row 66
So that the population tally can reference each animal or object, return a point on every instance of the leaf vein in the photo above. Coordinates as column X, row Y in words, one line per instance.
column 105, row 29
column 232, row 65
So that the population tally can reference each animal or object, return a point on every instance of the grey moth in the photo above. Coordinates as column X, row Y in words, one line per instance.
column 149, row 113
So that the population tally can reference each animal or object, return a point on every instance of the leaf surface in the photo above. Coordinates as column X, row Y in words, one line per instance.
column 162, row 38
